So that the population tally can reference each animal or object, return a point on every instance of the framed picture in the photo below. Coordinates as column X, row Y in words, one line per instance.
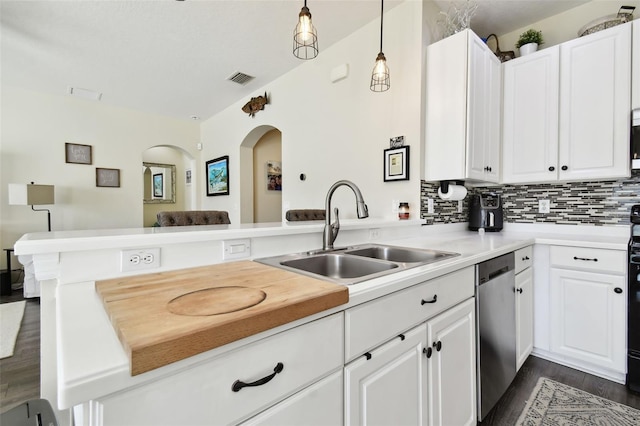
column 77, row 154
column 218, row 176
column 158, row 185
column 274, row 176
column 187, row 178
column 108, row 177
column 396, row 164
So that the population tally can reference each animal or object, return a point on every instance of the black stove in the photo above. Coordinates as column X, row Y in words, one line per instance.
column 633, row 324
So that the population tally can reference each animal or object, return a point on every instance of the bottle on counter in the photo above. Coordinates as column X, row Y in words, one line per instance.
column 403, row 211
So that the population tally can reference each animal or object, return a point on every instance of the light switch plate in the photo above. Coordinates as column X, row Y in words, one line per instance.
column 236, row 249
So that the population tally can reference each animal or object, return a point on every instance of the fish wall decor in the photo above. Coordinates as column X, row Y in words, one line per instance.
column 255, row 104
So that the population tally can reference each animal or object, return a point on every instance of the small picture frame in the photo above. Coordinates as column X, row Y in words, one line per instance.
column 396, row 164
column 217, row 176
column 109, row 178
column 158, row 185
column 77, row 154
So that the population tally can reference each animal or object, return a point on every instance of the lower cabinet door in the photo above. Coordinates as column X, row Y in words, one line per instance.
column 588, row 317
column 387, row 386
column 524, row 315
column 318, row 405
column 452, row 366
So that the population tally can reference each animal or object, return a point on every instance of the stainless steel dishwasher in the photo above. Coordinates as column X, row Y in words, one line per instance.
column 496, row 316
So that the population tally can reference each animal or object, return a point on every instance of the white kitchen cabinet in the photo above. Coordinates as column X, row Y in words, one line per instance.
column 587, row 309
column 635, row 67
column 388, row 384
column 595, row 82
column 308, row 407
column 463, row 95
column 452, row 367
column 530, row 117
column 424, row 376
column 566, row 110
column 204, row 393
column 524, row 315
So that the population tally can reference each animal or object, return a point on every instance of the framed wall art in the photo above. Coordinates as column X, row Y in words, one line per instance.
column 274, row 176
column 218, row 176
column 396, row 164
column 158, row 185
column 108, row 177
column 77, row 154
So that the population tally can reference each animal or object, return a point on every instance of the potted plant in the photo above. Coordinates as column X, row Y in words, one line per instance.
column 529, row 41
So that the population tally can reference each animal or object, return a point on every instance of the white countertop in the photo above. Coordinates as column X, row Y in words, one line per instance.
column 92, row 362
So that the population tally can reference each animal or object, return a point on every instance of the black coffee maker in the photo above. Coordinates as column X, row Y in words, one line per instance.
column 485, row 211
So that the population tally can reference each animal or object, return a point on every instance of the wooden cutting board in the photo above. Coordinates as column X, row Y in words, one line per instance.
column 164, row 317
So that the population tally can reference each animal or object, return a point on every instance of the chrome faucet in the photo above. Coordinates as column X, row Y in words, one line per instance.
column 331, row 229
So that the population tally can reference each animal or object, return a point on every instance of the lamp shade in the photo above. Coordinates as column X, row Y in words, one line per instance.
column 31, row 194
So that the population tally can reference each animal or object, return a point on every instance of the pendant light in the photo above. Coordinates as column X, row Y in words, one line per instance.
column 305, row 38
column 380, row 76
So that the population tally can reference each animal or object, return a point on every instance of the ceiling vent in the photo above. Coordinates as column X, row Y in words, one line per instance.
column 240, row 78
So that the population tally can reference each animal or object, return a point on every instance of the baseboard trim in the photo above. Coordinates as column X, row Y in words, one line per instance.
column 614, row 376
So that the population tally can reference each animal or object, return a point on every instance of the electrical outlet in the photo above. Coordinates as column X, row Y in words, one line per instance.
column 135, row 260
column 459, row 206
column 544, row 206
column 430, row 205
column 374, row 233
column 236, row 249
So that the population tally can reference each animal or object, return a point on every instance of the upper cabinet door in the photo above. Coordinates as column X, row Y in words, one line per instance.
column 530, row 117
column 595, row 101
column 483, row 112
column 446, row 108
column 635, row 73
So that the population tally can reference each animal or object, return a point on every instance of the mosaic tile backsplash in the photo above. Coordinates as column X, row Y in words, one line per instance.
column 572, row 203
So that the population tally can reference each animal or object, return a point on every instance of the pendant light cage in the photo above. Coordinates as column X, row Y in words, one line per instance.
column 380, row 80
column 305, row 37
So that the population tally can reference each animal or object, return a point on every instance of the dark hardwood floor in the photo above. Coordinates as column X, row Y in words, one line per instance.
column 508, row 409
column 20, row 374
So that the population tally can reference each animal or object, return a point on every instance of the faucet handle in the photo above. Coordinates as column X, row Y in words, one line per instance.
column 336, row 223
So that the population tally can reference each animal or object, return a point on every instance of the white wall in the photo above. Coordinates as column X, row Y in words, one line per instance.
column 35, row 127
column 333, row 131
column 565, row 26
column 267, row 205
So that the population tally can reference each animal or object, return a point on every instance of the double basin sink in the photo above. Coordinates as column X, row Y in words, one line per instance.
column 351, row 265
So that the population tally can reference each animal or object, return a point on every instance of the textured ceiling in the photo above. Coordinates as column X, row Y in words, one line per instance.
column 174, row 57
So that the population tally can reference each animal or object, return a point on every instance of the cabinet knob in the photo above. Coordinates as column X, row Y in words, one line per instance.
column 617, row 290
column 525, row 258
column 551, row 168
column 519, row 290
column 564, row 168
column 437, row 345
column 427, row 352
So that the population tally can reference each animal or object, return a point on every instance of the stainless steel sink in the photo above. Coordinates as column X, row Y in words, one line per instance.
column 351, row 265
column 401, row 254
column 339, row 266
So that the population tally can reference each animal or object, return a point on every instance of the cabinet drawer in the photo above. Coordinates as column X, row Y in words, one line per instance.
column 204, row 395
column 524, row 258
column 589, row 259
column 368, row 325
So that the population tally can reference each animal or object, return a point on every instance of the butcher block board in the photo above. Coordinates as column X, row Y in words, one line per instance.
column 164, row 317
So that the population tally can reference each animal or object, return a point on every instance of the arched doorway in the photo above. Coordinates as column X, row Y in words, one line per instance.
column 178, row 190
column 260, row 159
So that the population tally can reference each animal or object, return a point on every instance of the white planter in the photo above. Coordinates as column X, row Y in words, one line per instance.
column 528, row 48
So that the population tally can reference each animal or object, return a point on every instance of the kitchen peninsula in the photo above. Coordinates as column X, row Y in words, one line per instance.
column 90, row 372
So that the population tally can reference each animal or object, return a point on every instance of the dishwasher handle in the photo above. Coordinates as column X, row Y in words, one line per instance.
column 493, row 268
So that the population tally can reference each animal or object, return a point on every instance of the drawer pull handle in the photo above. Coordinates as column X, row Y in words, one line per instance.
column 585, row 259
column 618, row 290
column 434, row 300
column 519, row 290
column 401, row 336
column 427, row 352
column 437, row 345
column 525, row 258
column 367, row 355
column 237, row 385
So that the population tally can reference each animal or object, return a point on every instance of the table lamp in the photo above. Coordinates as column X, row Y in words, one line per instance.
column 35, row 195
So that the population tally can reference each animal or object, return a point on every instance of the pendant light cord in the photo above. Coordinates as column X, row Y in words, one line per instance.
column 381, row 15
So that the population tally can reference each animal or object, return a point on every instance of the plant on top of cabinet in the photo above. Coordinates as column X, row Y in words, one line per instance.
column 529, row 41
